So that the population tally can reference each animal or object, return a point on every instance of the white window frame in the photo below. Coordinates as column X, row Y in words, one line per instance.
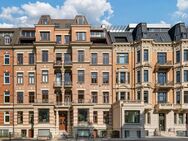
column 6, row 114
column 6, row 57
column 7, row 94
column 6, row 76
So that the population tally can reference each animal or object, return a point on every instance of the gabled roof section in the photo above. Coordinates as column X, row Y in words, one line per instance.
column 80, row 20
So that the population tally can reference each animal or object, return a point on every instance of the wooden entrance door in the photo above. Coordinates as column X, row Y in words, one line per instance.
column 62, row 121
column 31, row 133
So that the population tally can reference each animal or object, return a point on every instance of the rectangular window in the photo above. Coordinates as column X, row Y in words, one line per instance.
column 6, row 59
column 93, row 58
column 106, row 58
column 146, row 97
column 31, row 58
column 185, row 75
column 31, row 97
column 181, row 118
column 146, row 55
column 105, row 77
column 44, row 56
column 146, row 75
column 178, row 77
column 19, row 78
column 20, row 117
column 138, row 77
column 19, row 97
column 106, row 117
column 58, row 39
column 94, row 77
column 122, row 95
column 138, row 56
column 122, row 58
column 31, row 78
column 67, row 39
column 80, row 55
column 45, row 36
column 148, row 118
column 127, row 133
column 6, row 78
column 81, row 77
column 81, row 36
column 178, row 97
column 31, row 117
column 162, row 97
column 45, row 76
column 67, row 58
column 44, row 96
column 6, row 97
column 43, row 115
column 161, row 57
column 6, row 118
column 122, row 77
column 138, row 95
column 20, row 58
column 132, row 116
column 185, row 54
column 177, row 56
column 80, row 96
column 95, row 117
column 175, row 118
column 94, row 97
column 185, row 96
column 105, row 97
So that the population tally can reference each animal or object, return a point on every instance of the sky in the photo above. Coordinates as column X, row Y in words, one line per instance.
column 23, row 13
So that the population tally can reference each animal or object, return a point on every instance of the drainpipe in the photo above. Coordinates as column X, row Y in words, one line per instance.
column 13, row 86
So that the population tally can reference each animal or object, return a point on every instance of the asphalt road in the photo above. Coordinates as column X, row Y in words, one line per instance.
column 147, row 139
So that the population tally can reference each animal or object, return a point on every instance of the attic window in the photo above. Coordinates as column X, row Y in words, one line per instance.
column 121, row 39
column 7, row 39
column 80, row 20
column 57, row 25
column 44, row 21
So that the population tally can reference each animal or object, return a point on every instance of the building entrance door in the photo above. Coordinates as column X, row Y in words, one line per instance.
column 162, row 122
column 62, row 121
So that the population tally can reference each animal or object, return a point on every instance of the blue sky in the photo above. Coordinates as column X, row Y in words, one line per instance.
column 115, row 12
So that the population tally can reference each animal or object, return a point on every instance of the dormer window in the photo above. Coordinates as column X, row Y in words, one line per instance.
column 44, row 21
column 7, row 40
column 80, row 20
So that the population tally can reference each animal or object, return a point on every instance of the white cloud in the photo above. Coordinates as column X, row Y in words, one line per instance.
column 96, row 11
column 5, row 25
column 181, row 14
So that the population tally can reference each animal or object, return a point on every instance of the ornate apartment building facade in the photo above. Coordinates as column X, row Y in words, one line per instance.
column 65, row 76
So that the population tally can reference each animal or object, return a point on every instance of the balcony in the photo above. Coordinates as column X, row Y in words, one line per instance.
column 57, row 84
column 132, row 103
column 68, row 63
column 164, row 65
column 164, row 106
column 164, row 85
column 83, row 102
column 67, row 84
column 58, row 64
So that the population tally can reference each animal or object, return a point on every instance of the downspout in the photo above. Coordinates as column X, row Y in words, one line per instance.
column 13, row 85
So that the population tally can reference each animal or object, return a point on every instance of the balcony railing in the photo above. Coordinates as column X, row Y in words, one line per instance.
column 68, row 63
column 58, row 64
column 164, row 85
column 57, row 84
column 163, row 65
column 67, row 84
column 164, row 106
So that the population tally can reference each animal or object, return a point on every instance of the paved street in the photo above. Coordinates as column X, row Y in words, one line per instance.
column 147, row 139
